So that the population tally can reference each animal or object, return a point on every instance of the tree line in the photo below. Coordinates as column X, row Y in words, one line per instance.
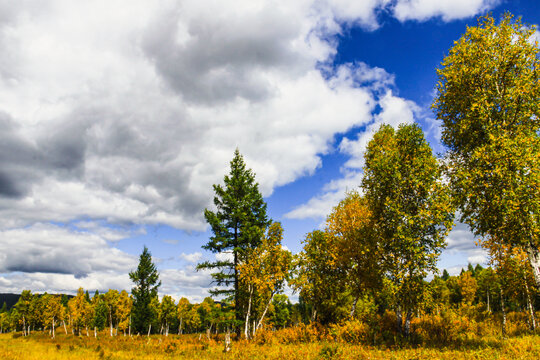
column 373, row 254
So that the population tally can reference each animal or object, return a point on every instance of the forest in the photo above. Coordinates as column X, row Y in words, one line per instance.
column 367, row 280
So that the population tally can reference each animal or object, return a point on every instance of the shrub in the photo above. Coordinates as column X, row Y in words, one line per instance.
column 445, row 328
column 351, row 331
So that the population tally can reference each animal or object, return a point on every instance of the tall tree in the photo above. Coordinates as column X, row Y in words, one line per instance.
column 81, row 312
column 123, row 311
column 146, row 279
column 238, row 225
column 410, row 208
column 23, row 307
column 357, row 246
column 488, row 92
column 319, row 279
column 263, row 274
column 167, row 312
column 53, row 311
column 182, row 311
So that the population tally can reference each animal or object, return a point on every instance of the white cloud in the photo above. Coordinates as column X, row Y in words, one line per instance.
column 394, row 111
column 191, row 258
column 49, row 248
column 448, row 10
column 128, row 115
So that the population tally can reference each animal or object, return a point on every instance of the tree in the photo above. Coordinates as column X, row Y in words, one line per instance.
column 182, row 311
column 487, row 98
column 111, row 299
column 54, row 311
column 468, row 285
column 24, row 310
column 124, row 305
column 411, row 210
column 357, row 247
column 146, row 279
column 81, row 312
column 167, row 312
column 238, row 225
column 319, row 279
column 281, row 311
column 263, row 274
column 101, row 312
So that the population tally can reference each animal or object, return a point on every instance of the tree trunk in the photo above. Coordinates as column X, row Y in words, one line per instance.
column 149, row 328
column 408, row 323
column 64, row 323
column 353, row 309
column 95, row 332
column 532, row 320
column 399, row 320
column 534, row 259
column 110, row 322
column 52, row 327
column 313, row 314
column 24, row 325
column 87, row 334
column 237, row 307
column 180, row 326
column 246, row 327
column 488, row 308
column 227, row 341
column 503, row 310
column 259, row 324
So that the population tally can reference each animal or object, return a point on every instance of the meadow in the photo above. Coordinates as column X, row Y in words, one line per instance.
column 40, row 345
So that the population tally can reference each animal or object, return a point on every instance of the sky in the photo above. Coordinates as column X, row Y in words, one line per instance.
column 116, row 117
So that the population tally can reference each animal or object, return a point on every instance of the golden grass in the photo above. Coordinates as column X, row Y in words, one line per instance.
column 39, row 346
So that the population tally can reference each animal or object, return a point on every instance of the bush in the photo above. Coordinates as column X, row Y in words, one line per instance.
column 445, row 328
column 351, row 331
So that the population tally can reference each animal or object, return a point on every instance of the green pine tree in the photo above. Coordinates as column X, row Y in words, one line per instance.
column 146, row 279
column 238, row 224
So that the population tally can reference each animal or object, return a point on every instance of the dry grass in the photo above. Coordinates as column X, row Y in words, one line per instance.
column 40, row 346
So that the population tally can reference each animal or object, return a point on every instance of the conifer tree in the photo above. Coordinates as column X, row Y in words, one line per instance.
column 146, row 279
column 238, row 224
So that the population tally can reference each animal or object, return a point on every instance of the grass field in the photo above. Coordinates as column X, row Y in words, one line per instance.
column 39, row 346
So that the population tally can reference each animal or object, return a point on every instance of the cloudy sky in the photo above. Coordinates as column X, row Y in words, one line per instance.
column 116, row 117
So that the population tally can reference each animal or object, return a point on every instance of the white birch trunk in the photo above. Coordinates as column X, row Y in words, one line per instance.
column 246, row 328
column 534, row 259
column 259, row 324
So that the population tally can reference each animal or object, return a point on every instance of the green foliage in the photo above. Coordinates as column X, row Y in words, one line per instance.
column 487, row 98
column 146, row 279
column 410, row 207
column 319, row 279
column 238, row 225
column 280, row 313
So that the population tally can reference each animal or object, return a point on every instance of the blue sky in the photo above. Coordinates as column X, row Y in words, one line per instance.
column 116, row 121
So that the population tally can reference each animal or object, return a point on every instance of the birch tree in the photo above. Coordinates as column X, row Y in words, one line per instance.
column 487, row 99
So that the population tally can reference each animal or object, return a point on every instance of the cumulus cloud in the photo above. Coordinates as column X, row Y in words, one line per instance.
column 394, row 111
column 128, row 115
column 48, row 248
column 191, row 258
column 447, row 10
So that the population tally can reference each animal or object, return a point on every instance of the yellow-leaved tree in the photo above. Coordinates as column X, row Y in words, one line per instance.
column 357, row 251
column 488, row 91
column 264, row 274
